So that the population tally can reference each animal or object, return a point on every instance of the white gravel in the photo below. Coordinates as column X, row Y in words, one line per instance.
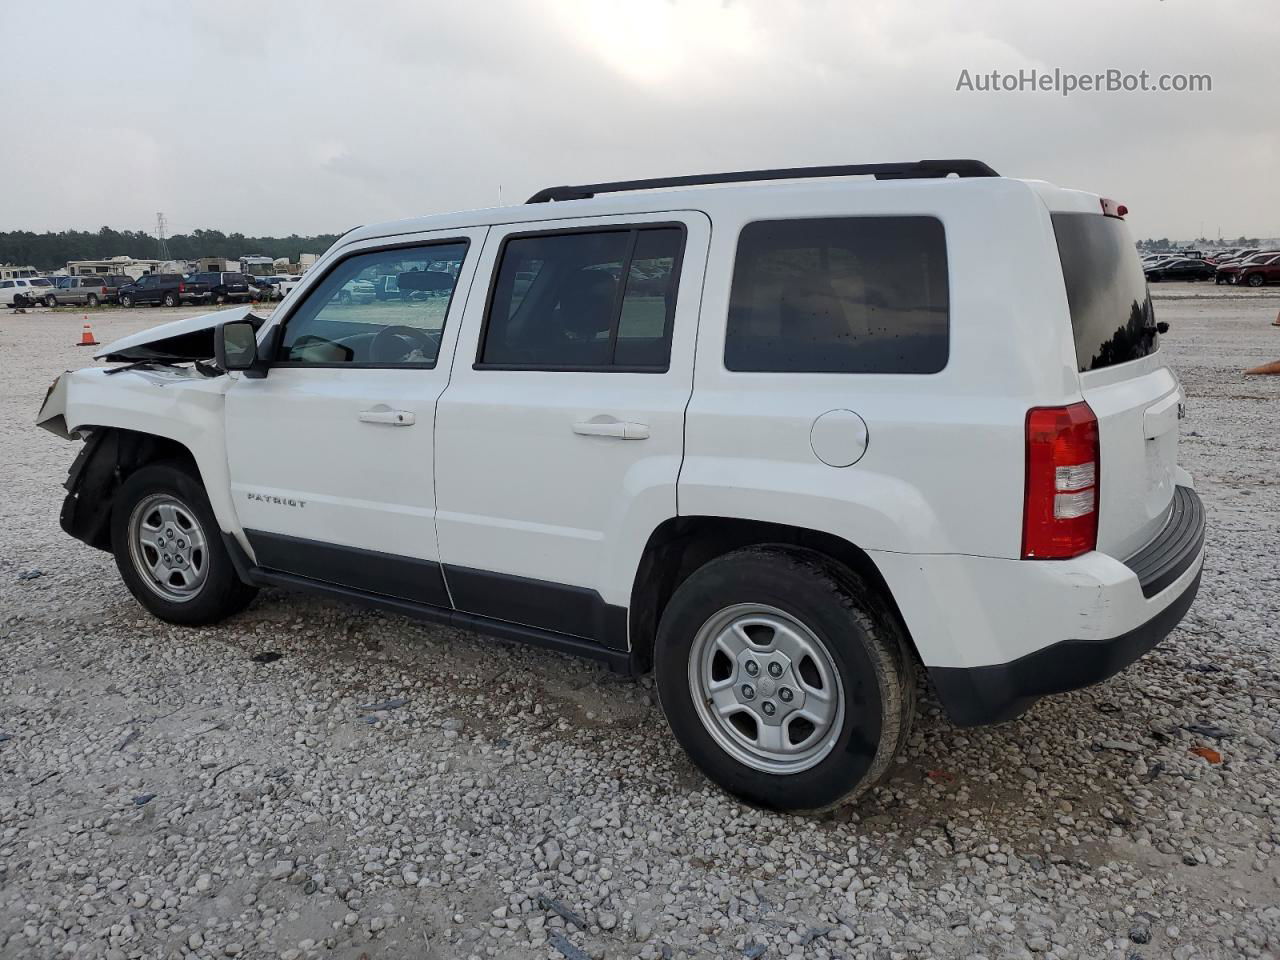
column 164, row 795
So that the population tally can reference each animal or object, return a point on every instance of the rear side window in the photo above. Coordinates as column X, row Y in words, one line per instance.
column 586, row 300
column 1111, row 313
column 840, row 295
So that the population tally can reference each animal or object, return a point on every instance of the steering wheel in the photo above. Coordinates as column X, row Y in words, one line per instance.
column 394, row 343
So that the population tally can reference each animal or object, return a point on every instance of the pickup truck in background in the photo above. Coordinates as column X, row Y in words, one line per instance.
column 225, row 287
column 86, row 291
column 167, row 289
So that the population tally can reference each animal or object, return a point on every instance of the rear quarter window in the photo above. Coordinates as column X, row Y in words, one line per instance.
column 840, row 295
column 1111, row 314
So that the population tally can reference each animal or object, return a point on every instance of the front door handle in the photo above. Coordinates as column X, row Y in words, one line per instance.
column 384, row 414
column 612, row 428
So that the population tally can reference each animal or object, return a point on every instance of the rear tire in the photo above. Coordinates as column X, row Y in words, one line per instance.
column 832, row 690
column 171, row 300
column 51, row 301
column 91, row 300
column 169, row 551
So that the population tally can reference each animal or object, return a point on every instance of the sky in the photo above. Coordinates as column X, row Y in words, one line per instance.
column 271, row 118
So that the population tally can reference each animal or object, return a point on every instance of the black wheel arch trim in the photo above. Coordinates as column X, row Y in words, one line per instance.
column 105, row 461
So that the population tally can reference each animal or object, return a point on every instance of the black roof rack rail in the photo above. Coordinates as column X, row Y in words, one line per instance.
column 918, row 170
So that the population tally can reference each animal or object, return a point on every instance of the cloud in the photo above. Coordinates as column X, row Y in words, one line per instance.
column 305, row 117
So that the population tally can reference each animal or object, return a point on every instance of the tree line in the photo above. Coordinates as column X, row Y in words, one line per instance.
column 1164, row 243
column 49, row 251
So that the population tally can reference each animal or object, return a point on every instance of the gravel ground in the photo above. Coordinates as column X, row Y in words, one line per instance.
column 309, row 780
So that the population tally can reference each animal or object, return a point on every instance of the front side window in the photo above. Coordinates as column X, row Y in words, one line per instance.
column 386, row 307
column 601, row 300
column 840, row 295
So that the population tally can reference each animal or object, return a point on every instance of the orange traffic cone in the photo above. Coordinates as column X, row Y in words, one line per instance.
column 1266, row 370
column 86, row 336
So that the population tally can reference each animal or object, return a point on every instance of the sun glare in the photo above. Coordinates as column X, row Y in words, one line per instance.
column 652, row 42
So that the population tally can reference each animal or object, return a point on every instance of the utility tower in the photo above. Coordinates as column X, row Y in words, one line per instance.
column 162, row 246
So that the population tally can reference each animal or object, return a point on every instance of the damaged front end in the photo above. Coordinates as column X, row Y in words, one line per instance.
column 165, row 403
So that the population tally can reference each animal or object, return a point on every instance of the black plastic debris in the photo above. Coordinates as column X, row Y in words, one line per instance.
column 567, row 949
column 31, row 575
column 267, row 656
column 391, row 704
column 556, row 907
column 142, row 799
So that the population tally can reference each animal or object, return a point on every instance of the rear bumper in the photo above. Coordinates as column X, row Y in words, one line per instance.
column 974, row 696
column 996, row 635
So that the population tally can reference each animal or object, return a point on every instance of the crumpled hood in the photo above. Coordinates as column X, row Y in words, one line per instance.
column 182, row 340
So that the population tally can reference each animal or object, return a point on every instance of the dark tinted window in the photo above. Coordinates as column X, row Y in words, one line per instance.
column 602, row 299
column 386, row 307
column 839, row 295
column 1111, row 313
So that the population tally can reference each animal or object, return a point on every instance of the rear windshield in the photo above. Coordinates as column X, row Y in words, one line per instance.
column 1111, row 312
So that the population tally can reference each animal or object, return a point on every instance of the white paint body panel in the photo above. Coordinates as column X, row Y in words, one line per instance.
column 494, row 471
column 297, row 435
column 520, row 492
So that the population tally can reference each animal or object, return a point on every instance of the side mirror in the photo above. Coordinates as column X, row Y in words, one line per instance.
column 235, row 346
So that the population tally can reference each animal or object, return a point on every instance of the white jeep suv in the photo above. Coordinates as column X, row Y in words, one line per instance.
column 785, row 443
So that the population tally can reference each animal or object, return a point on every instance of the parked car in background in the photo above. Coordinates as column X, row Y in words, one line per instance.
column 41, row 287
column 1181, row 268
column 80, row 291
column 287, row 284
column 261, row 288
column 356, row 291
column 167, row 289
column 22, row 291
column 113, row 283
column 1261, row 270
column 225, row 287
column 1228, row 270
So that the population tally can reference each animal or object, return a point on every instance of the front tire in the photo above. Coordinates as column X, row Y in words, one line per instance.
column 1257, row 280
column 784, row 678
column 126, row 300
column 169, row 551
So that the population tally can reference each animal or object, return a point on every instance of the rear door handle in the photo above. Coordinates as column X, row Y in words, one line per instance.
column 612, row 428
column 384, row 414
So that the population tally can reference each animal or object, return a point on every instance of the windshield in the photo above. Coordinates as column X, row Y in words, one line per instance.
column 1111, row 312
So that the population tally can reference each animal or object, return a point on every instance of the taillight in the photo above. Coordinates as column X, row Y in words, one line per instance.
column 182, row 288
column 1060, row 509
